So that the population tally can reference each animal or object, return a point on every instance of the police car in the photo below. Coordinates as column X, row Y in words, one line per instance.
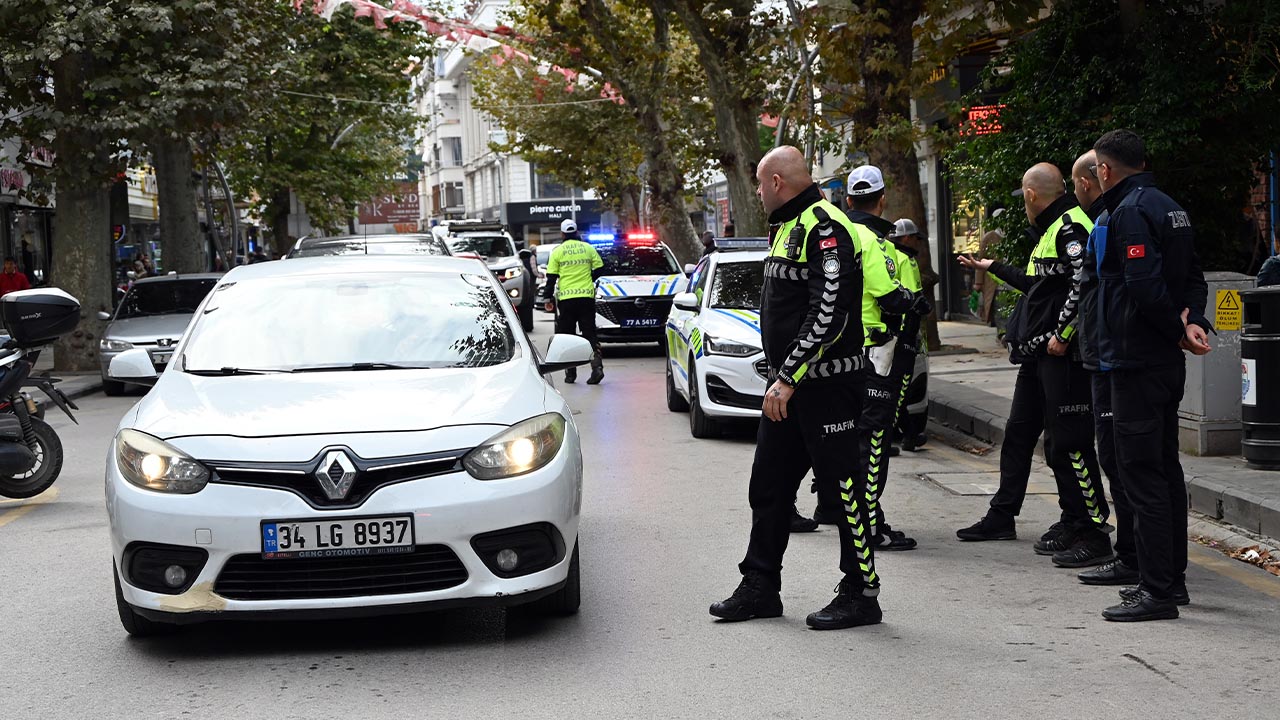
column 633, row 294
column 715, row 366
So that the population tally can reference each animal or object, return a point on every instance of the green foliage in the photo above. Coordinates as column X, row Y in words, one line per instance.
column 1196, row 80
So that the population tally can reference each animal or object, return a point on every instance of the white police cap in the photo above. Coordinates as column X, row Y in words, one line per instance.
column 864, row 180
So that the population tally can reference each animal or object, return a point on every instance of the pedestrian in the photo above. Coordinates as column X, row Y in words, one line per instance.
column 529, row 289
column 812, row 337
column 730, row 230
column 571, row 274
column 708, row 243
column 885, row 307
column 148, row 269
column 1052, row 394
column 1151, row 301
column 907, row 241
column 11, row 280
column 1123, row 570
column 985, row 284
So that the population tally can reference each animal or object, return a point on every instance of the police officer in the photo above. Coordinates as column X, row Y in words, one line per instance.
column 1123, row 570
column 906, row 238
column 1151, row 300
column 573, row 267
column 885, row 306
column 1052, row 392
column 812, row 341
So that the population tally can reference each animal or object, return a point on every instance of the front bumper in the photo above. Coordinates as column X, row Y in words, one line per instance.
column 731, row 387
column 618, row 320
column 448, row 510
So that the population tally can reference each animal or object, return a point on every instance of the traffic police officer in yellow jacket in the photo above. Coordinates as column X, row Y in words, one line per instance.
column 1052, row 393
column 906, row 238
column 812, row 338
column 571, row 279
column 886, row 306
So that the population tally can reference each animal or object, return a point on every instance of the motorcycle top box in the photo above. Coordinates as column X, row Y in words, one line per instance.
column 36, row 317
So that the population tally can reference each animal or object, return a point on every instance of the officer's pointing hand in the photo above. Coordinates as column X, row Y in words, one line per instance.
column 775, row 400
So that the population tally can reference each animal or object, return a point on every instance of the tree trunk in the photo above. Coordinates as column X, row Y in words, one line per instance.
column 737, row 109
column 905, row 199
column 180, row 237
column 666, row 187
column 278, row 220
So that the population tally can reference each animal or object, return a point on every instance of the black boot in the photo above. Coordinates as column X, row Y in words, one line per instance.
column 571, row 375
column 597, row 369
column 1091, row 547
column 756, row 597
column 1179, row 595
column 1115, row 572
column 988, row 529
column 800, row 523
column 1141, row 606
column 850, row 608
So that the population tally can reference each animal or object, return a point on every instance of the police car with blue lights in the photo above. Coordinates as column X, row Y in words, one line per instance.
column 716, row 368
column 634, row 291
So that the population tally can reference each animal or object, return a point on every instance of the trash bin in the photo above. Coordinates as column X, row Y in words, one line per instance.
column 1260, row 377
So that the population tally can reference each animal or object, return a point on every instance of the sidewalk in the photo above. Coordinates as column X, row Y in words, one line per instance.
column 971, row 393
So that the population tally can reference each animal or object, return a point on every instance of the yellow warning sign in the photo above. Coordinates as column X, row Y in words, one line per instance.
column 1228, row 311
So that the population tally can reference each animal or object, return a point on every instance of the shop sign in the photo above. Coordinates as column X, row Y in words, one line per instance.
column 983, row 120
column 403, row 206
column 548, row 211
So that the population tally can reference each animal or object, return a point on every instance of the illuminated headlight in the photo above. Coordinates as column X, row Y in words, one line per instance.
column 510, row 274
column 716, row 346
column 153, row 464
column 114, row 345
column 521, row 448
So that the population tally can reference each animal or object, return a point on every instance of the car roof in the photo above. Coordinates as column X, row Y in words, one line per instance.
column 741, row 256
column 177, row 276
column 350, row 264
column 396, row 238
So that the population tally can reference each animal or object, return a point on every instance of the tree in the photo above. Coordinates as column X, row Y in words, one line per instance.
column 335, row 129
column 1198, row 81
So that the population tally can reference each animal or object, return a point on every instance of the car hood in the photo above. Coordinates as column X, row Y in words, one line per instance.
column 738, row 325
column 611, row 286
column 149, row 329
column 329, row 403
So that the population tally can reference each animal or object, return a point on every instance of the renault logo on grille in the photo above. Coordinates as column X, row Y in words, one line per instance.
column 336, row 474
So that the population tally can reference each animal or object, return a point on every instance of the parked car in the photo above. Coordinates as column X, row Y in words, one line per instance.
column 492, row 244
column 152, row 315
column 346, row 436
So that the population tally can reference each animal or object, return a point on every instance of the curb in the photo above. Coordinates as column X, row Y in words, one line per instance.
column 969, row 411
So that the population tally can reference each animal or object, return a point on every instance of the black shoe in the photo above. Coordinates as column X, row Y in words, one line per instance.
column 894, row 451
column 1141, row 606
column 850, row 608
column 755, row 597
column 596, row 376
column 570, row 376
column 1179, row 596
column 800, row 523
column 1115, row 572
column 892, row 539
column 1058, row 538
column 911, row 444
column 987, row 529
column 825, row 516
column 1088, row 550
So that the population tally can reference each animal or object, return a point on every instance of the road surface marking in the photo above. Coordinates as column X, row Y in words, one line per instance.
column 22, row 507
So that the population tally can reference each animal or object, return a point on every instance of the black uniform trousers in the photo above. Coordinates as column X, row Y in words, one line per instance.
column 578, row 316
column 1052, row 396
column 1145, row 406
column 880, row 407
column 818, row 432
column 1104, row 428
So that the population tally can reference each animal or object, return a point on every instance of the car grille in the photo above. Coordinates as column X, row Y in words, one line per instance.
column 615, row 311
column 762, row 368
column 372, row 475
column 427, row 568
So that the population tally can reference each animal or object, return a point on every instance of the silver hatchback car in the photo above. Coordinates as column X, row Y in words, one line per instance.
column 153, row 315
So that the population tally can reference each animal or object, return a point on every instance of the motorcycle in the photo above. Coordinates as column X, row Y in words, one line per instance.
column 31, row 453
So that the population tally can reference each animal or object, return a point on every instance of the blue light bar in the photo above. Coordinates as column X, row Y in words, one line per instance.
column 601, row 237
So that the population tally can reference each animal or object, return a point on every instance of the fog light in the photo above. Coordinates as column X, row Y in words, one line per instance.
column 507, row 560
column 175, row 576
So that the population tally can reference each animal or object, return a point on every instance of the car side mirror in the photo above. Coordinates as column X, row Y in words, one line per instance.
column 134, row 367
column 689, row 268
column 565, row 351
column 686, row 301
column 104, row 315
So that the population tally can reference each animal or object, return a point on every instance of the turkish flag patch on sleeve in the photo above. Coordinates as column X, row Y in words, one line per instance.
column 827, row 244
column 1136, row 251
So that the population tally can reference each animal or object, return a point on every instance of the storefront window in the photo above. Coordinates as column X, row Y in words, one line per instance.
column 26, row 239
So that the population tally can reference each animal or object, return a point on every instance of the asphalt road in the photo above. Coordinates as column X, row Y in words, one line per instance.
column 971, row 631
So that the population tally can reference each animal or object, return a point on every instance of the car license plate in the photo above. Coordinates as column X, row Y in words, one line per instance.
column 339, row 537
column 640, row 322
column 160, row 360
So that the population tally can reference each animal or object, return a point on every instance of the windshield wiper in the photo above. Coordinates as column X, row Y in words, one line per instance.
column 357, row 367
column 228, row 371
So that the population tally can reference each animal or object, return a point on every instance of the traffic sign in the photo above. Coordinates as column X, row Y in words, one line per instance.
column 1228, row 311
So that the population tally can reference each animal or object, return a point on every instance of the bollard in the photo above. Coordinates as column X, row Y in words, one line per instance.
column 1260, row 378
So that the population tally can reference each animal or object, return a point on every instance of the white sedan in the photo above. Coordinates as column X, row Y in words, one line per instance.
column 346, row 436
column 716, row 368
